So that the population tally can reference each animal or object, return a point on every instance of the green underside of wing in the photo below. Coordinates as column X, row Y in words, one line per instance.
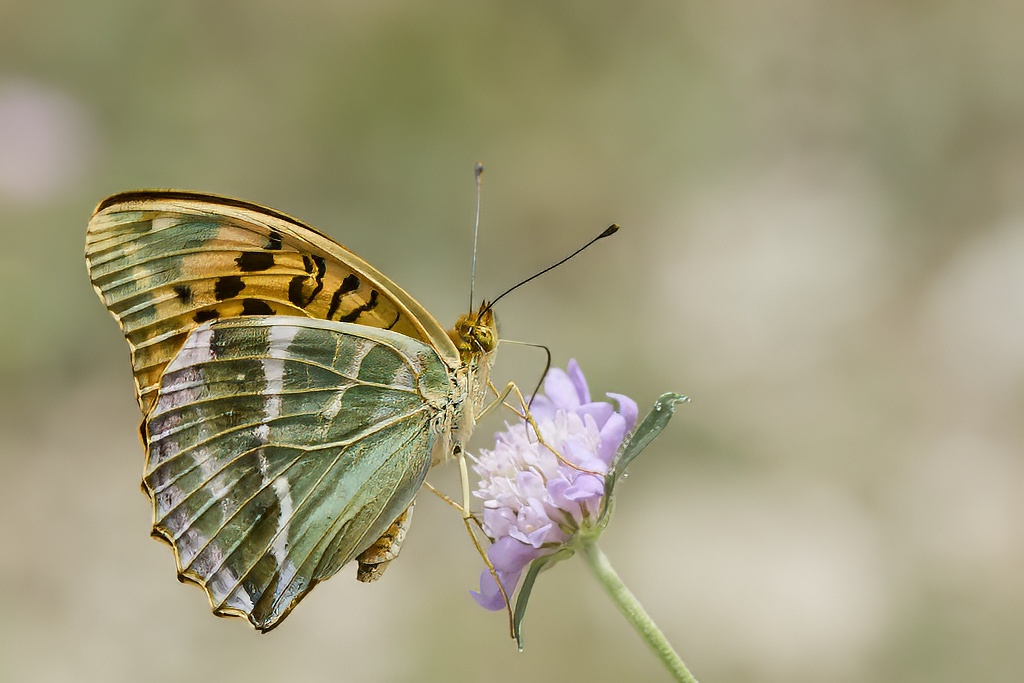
column 280, row 448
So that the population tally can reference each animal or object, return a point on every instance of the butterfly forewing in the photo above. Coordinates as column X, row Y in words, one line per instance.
column 280, row 448
column 166, row 262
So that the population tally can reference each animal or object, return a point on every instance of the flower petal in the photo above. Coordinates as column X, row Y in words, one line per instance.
column 497, row 521
column 509, row 555
column 612, row 434
column 560, row 389
column 529, row 485
column 534, row 527
column 627, row 409
column 598, row 410
column 579, row 381
column 489, row 596
column 557, row 488
column 585, row 487
column 541, row 408
column 583, row 457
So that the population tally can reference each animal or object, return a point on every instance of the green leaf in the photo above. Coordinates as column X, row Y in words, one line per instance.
column 644, row 434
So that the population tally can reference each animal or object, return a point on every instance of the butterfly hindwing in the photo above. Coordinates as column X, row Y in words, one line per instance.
column 280, row 448
column 165, row 262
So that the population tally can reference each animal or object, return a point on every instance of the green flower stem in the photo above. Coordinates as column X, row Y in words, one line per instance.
column 634, row 612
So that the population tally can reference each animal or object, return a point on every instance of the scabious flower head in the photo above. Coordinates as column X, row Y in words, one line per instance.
column 534, row 503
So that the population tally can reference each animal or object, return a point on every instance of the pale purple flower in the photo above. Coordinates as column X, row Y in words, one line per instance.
column 533, row 503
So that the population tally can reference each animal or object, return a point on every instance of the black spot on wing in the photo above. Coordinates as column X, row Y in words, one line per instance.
column 184, row 293
column 256, row 307
column 227, row 287
column 312, row 283
column 296, row 291
column 253, row 261
column 202, row 316
column 273, row 241
column 349, row 284
column 368, row 306
column 321, row 268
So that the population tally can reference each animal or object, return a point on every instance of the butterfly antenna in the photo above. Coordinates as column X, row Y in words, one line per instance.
column 543, row 375
column 608, row 232
column 478, row 170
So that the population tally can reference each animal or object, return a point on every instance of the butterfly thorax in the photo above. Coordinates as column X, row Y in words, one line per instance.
column 475, row 335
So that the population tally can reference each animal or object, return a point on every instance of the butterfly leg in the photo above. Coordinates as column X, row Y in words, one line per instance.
column 499, row 399
column 524, row 414
column 469, row 520
column 375, row 559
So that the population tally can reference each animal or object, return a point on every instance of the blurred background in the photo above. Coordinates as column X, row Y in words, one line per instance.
column 822, row 244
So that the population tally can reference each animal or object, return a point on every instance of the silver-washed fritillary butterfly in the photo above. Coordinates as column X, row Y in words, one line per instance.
column 293, row 397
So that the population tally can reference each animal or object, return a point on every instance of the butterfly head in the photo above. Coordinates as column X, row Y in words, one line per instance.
column 476, row 334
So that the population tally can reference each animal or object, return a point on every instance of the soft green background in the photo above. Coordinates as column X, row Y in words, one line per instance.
column 823, row 245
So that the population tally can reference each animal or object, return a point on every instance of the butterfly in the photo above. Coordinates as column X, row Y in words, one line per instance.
column 293, row 396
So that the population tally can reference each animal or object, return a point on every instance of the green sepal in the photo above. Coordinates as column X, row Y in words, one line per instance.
column 527, row 587
column 645, row 433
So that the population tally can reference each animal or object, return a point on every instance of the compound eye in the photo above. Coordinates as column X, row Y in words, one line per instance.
column 485, row 338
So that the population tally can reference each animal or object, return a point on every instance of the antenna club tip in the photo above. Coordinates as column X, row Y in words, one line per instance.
column 478, row 169
column 610, row 230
